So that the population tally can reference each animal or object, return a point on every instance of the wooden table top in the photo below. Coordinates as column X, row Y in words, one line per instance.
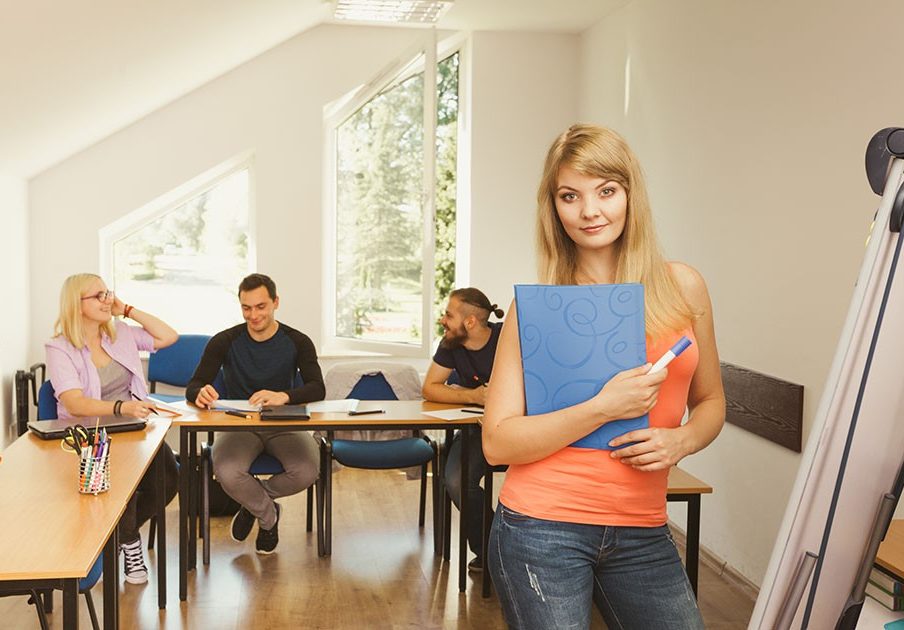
column 891, row 552
column 47, row 528
column 397, row 413
column 682, row 482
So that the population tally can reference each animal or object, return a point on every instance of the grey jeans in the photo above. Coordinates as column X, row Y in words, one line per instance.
column 234, row 452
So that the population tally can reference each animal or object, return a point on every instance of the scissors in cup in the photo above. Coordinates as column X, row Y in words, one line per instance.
column 76, row 438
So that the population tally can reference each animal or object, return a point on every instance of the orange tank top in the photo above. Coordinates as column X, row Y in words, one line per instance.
column 582, row 485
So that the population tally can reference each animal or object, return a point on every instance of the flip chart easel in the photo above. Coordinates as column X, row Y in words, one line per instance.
column 851, row 472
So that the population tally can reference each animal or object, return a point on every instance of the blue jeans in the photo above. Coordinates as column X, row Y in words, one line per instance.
column 477, row 466
column 548, row 572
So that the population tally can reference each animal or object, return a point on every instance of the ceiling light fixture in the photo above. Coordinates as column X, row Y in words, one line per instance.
column 391, row 11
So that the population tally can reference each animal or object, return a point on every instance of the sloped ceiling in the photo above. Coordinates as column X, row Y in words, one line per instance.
column 73, row 72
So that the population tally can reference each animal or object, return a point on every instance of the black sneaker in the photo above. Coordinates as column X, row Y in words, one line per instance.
column 267, row 539
column 135, row 569
column 242, row 523
column 476, row 565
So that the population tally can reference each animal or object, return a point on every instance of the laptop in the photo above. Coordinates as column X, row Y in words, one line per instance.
column 285, row 412
column 56, row 429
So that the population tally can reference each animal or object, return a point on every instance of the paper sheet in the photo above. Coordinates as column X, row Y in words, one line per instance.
column 343, row 405
column 224, row 404
column 179, row 407
column 455, row 414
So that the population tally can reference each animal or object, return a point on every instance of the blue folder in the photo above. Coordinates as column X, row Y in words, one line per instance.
column 573, row 340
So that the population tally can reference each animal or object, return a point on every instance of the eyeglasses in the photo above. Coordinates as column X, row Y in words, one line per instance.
column 100, row 296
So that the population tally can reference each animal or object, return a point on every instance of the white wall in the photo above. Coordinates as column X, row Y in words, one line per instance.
column 523, row 97
column 273, row 105
column 751, row 120
column 14, row 320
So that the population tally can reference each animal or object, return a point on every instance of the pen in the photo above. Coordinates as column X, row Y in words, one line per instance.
column 365, row 412
column 670, row 354
column 151, row 409
column 238, row 414
column 479, row 411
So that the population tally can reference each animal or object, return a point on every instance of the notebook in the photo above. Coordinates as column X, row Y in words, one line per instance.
column 230, row 404
column 573, row 340
column 56, row 429
column 285, row 412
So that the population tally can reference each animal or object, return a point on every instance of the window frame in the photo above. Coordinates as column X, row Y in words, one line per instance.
column 400, row 68
column 141, row 217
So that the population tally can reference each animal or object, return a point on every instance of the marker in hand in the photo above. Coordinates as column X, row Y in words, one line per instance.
column 670, row 354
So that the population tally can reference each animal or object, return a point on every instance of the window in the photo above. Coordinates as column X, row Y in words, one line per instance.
column 391, row 216
column 182, row 256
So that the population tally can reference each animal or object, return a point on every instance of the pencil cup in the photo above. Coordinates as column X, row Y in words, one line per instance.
column 94, row 473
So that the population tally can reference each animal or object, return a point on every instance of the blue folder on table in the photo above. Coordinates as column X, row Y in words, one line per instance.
column 573, row 340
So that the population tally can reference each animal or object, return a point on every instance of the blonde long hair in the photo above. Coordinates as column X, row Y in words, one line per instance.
column 69, row 323
column 600, row 152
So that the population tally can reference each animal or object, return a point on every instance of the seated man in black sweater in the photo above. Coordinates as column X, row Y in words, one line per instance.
column 468, row 347
column 260, row 359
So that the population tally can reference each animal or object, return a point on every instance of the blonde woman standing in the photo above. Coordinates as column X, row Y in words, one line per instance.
column 578, row 525
column 94, row 366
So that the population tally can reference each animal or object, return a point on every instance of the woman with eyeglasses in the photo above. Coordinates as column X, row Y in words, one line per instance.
column 94, row 366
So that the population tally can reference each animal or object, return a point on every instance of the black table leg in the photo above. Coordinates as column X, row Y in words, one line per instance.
column 321, row 489
column 463, row 512
column 485, row 542
column 192, row 501
column 183, row 514
column 692, row 562
column 160, row 465
column 70, row 604
column 111, row 581
column 447, row 501
column 438, row 502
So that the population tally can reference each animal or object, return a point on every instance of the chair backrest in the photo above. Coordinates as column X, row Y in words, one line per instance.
column 175, row 364
column 47, row 403
column 372, row 387
column 373, row 380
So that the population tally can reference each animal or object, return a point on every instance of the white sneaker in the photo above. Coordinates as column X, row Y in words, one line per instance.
column 136, row 571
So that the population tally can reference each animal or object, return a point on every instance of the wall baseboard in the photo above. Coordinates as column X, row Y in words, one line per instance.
column 717, row 564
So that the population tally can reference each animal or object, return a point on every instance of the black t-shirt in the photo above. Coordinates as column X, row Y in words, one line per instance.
column 473, row 366
column 249, row 365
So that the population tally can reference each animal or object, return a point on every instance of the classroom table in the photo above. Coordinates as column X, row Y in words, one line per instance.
column 683, row 487
column 52, row 534
column 404, row 415
column 890, row 555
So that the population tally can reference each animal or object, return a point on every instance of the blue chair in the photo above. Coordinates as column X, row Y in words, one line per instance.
column 175, row 364
column 47, row 410
column 264, row 464
column 379, row 455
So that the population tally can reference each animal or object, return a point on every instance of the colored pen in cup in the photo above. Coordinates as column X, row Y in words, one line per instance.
column 670, row 354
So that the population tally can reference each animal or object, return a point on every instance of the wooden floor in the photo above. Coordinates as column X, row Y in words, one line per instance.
column 382, row 574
